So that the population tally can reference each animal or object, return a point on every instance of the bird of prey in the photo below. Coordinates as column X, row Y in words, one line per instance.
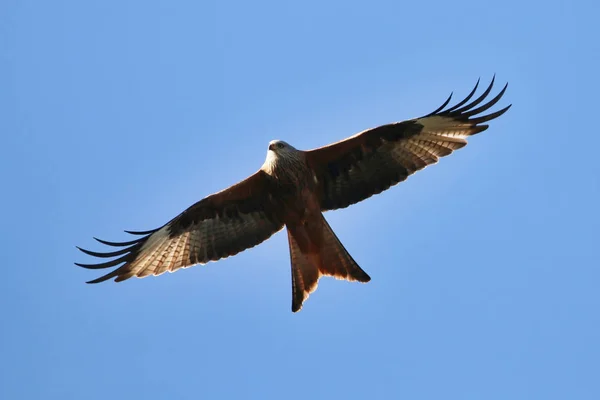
column 292, row 189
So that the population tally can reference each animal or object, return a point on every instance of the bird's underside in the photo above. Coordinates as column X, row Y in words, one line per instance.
column 291, row 190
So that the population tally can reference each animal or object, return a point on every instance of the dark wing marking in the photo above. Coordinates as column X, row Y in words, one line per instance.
column 370, row 162
column 216, row 227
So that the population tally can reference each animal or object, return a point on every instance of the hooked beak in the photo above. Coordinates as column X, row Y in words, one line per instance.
column 272, row 147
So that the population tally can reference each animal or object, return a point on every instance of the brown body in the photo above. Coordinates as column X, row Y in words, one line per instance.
column 292, row 189
column 314, row 248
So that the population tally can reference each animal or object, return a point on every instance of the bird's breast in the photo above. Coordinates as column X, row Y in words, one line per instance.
column 302, row 205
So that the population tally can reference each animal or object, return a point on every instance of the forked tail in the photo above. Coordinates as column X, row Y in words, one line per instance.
column 316, row 252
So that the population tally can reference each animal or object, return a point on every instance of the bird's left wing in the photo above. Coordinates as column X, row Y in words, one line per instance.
column 220, row 225
column 370, row 162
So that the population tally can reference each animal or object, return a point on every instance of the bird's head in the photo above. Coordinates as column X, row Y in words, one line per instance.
column 280, row 154
column 279, row 147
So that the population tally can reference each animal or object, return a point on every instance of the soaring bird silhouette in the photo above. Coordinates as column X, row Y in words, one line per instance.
column 292, row 189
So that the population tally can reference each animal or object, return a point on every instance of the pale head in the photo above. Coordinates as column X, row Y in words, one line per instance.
column 282, row 155
column 280, row 147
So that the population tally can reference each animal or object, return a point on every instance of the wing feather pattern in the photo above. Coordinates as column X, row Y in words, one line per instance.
column 372, row 161
column 219, row 226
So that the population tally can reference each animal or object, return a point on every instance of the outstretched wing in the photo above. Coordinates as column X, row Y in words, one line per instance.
column 216, row 227
column 370, row 162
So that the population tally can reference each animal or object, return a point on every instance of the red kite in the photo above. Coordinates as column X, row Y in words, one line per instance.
column 292, row 189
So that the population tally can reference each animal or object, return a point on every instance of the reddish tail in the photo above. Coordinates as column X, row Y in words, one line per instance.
column 316, row 251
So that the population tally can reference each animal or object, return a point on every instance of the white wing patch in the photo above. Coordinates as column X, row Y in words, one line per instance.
column 203, row 243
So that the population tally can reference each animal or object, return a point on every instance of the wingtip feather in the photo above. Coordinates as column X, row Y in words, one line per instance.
column 464, row 101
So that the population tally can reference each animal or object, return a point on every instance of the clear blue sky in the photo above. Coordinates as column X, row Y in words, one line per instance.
column 120, row 114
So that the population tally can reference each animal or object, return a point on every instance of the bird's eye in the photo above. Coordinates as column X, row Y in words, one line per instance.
column 280, row 145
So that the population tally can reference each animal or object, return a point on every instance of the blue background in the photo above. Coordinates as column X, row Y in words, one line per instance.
column 120, row 114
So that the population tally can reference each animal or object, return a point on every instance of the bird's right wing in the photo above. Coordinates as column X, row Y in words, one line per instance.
column 220, row 225
column 370, row 162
